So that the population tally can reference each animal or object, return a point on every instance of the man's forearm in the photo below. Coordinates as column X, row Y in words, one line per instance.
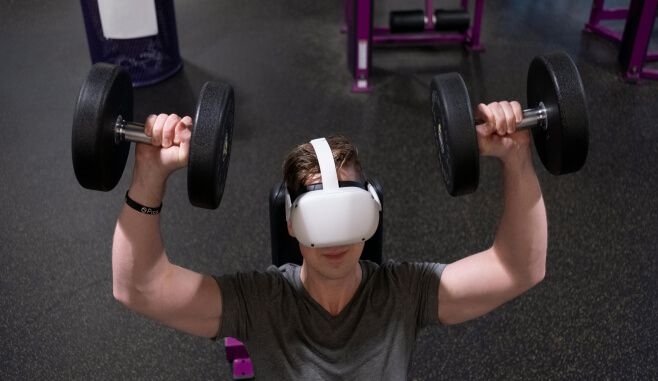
column 138, row 254
column 521, row 239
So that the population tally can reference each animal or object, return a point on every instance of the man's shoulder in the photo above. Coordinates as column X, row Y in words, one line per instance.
column 394, row 264
column 268, row 278
column 393, row 268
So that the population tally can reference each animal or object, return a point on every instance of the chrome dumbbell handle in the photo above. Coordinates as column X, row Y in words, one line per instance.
column 130, row 132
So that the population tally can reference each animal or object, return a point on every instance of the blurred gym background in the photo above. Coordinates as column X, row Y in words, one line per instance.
column 593, row 317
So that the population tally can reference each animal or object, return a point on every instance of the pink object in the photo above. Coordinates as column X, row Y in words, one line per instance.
column 243, row 369
column 235, row 349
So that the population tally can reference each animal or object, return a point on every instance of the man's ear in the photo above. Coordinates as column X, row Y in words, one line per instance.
column 290, row 231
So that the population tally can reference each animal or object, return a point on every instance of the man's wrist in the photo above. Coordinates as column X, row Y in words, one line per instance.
column 151, row 210
column 147, row 191
column 147, row 186
column 518, row 161
column 145, row 195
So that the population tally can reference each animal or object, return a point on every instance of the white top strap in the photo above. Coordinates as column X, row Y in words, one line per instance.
column 326, row 161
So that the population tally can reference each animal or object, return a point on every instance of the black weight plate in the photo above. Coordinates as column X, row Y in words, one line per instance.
column 106, row 93
column 454, row 131
column 210, row 148
column 554, row 80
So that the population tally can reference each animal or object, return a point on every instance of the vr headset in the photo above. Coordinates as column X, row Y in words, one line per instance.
column 332, row 213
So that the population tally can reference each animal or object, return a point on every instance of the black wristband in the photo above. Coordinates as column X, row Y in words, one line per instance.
column 141, row 208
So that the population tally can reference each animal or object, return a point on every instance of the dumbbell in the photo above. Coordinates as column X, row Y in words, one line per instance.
column 413, row 21
column 557, row 116
column 102, row 132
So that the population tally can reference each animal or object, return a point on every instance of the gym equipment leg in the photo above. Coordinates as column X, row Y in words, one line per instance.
column 601, row 13
column 634, row 41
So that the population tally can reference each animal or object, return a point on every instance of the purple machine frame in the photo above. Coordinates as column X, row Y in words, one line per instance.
column 238, row 357
column 362, row 35
column 634, row 42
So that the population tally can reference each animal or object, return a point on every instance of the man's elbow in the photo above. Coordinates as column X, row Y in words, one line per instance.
column 538, row 276
column 528, row 270
column 534, row 275
column 121, row 294
column 126, row 295
column 527, row 275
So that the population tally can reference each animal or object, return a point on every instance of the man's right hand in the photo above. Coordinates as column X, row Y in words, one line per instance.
column 497, row 136
column 170, row 147
column 169, row 150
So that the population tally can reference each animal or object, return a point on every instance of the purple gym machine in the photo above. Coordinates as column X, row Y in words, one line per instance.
column 141, row 38
column 634, row 42
column 415, row 27
column 237, row 355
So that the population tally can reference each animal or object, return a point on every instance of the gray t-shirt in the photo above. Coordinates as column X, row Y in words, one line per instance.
column 289, row 336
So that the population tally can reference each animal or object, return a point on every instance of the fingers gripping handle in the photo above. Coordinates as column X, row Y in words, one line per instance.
column 533, row 117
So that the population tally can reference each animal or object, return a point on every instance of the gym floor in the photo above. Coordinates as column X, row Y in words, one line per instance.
column 594, row 316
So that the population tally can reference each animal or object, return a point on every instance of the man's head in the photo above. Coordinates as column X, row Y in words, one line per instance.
column 301, row 166
column 329, row 204
column 330, row 209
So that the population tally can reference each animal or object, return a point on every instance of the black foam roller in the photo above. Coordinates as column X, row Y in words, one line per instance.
column 451, row 20
column 411, row 21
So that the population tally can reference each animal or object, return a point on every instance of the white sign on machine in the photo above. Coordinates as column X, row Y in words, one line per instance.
column 128, row 19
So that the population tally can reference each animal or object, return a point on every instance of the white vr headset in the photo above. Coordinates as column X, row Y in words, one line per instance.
column 330, row 215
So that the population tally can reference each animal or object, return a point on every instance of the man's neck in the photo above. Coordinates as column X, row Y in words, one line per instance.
column 332, row 294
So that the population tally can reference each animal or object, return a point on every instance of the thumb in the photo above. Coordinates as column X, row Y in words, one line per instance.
column 488, row 118
column 184, row 147
column 485, row 139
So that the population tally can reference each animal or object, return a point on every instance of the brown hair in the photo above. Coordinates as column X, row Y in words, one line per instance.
column 301, row 162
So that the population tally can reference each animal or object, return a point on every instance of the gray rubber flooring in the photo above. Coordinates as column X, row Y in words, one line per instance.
column 593, row 317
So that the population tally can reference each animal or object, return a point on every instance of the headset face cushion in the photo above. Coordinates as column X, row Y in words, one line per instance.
column 334, row 217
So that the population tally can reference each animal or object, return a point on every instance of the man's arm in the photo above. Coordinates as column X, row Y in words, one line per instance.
column 143, row 278
column 475, row 285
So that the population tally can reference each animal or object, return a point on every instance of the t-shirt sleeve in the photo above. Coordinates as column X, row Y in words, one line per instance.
column 431, row 276
column 243, row 294
column 419, row 281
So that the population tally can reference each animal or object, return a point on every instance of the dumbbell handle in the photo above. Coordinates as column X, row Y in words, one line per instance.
column 130, row 131
column 532, row 117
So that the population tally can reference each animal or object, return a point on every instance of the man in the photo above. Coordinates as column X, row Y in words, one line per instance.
column 333, row 317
